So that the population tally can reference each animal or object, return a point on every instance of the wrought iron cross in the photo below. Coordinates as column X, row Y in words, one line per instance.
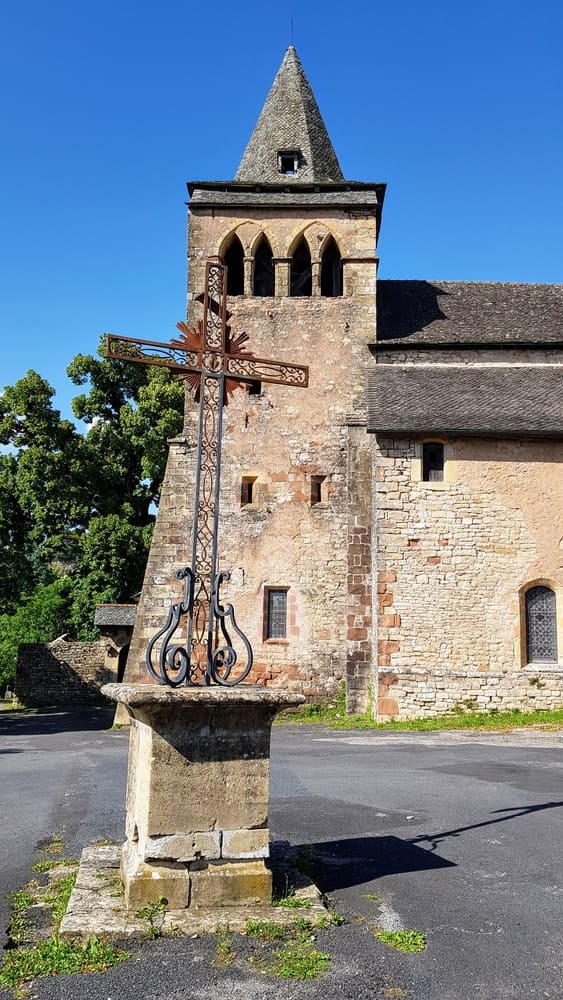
column 214, row 363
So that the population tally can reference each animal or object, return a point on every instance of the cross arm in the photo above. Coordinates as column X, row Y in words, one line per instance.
column 152, row 352
column 265, row 370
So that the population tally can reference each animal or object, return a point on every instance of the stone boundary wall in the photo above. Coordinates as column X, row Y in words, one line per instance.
column 61, row 673
column 419, row 695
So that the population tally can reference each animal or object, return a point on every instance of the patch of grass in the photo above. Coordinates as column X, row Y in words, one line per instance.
column 24, row 963
column 153, row 913
column 266, row 930
column 20, row 902
column 297, row 958
column 225, row 953
column 371, row 896
column 291, row 902
column 53, row 845
column 58, row 895
column 461, row 717
column 45, row 866
column 332, row 711
column 53, row 956
column 300, row 960
column 103, row 842
column 117, row 887
column 410, row 942
column 335, row 918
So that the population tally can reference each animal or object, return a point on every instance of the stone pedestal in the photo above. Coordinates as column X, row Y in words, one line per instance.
column 198, row 794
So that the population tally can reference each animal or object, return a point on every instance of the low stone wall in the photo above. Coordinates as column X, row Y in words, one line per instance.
column 420, row 695
column 61, row 673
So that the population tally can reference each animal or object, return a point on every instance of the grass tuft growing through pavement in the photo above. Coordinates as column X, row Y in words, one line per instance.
column 294, row 955
column 154, row 914
column 225, row 953
column 52, row 957
column 411, row 942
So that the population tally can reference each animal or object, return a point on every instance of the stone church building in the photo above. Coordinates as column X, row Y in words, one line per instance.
column 397, row 524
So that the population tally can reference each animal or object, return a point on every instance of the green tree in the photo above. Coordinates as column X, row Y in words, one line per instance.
column 81, row 504
column 40, row 617
column 110, row 568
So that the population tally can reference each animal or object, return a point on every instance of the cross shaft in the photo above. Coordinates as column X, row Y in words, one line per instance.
column 214, row 363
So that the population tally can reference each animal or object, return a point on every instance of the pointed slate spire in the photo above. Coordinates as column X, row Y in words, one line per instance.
column 290, row 141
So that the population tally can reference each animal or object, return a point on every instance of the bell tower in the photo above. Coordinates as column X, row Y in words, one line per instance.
column 295, row 519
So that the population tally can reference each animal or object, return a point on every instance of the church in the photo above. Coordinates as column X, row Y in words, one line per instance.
column 395, row 526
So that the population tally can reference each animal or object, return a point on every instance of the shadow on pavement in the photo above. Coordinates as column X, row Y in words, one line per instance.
column 514, row 812
column 339, row 864
column 42, row 721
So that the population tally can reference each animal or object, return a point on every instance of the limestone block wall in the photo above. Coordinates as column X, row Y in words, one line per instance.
column 424, row 695
column 454, row 560
column 61, row 673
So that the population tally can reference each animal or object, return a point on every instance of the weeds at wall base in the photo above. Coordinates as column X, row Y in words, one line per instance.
column 463, row 716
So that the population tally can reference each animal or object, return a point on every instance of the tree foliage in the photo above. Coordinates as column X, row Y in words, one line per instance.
column 77, row 503
column 40, row 617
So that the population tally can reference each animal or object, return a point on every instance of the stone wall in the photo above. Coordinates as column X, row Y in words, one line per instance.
column 61, row 673
column 454, row 559
column 424, row 695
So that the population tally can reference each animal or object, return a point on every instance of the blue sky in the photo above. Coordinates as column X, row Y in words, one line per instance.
column 110, row 107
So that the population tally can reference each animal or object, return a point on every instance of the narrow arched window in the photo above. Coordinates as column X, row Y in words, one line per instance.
column 301, row 277
column 263, row 269
column 432, row 462
column 234, row 259
column 331, row 270
column 541, row 625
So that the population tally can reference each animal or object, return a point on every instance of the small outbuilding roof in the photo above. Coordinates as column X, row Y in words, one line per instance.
column 116, row 615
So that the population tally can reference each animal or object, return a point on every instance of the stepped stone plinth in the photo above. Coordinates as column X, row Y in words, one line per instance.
column 198, row 794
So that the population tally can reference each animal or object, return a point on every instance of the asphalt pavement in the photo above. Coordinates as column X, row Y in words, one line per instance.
column 456, row 835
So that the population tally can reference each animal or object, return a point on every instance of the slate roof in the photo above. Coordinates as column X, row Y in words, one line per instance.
column 460, row 312
column 303, row 196
column 117, row 615
column 507, row 400
column 290, row 120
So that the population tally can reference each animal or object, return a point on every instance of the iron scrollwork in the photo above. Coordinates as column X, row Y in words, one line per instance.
column 176, row 665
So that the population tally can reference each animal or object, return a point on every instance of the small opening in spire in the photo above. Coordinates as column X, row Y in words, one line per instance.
column 288, row 162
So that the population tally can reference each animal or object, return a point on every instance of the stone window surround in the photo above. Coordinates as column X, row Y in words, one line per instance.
column 540, row 665
column 449, row 464
column 271, row 640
